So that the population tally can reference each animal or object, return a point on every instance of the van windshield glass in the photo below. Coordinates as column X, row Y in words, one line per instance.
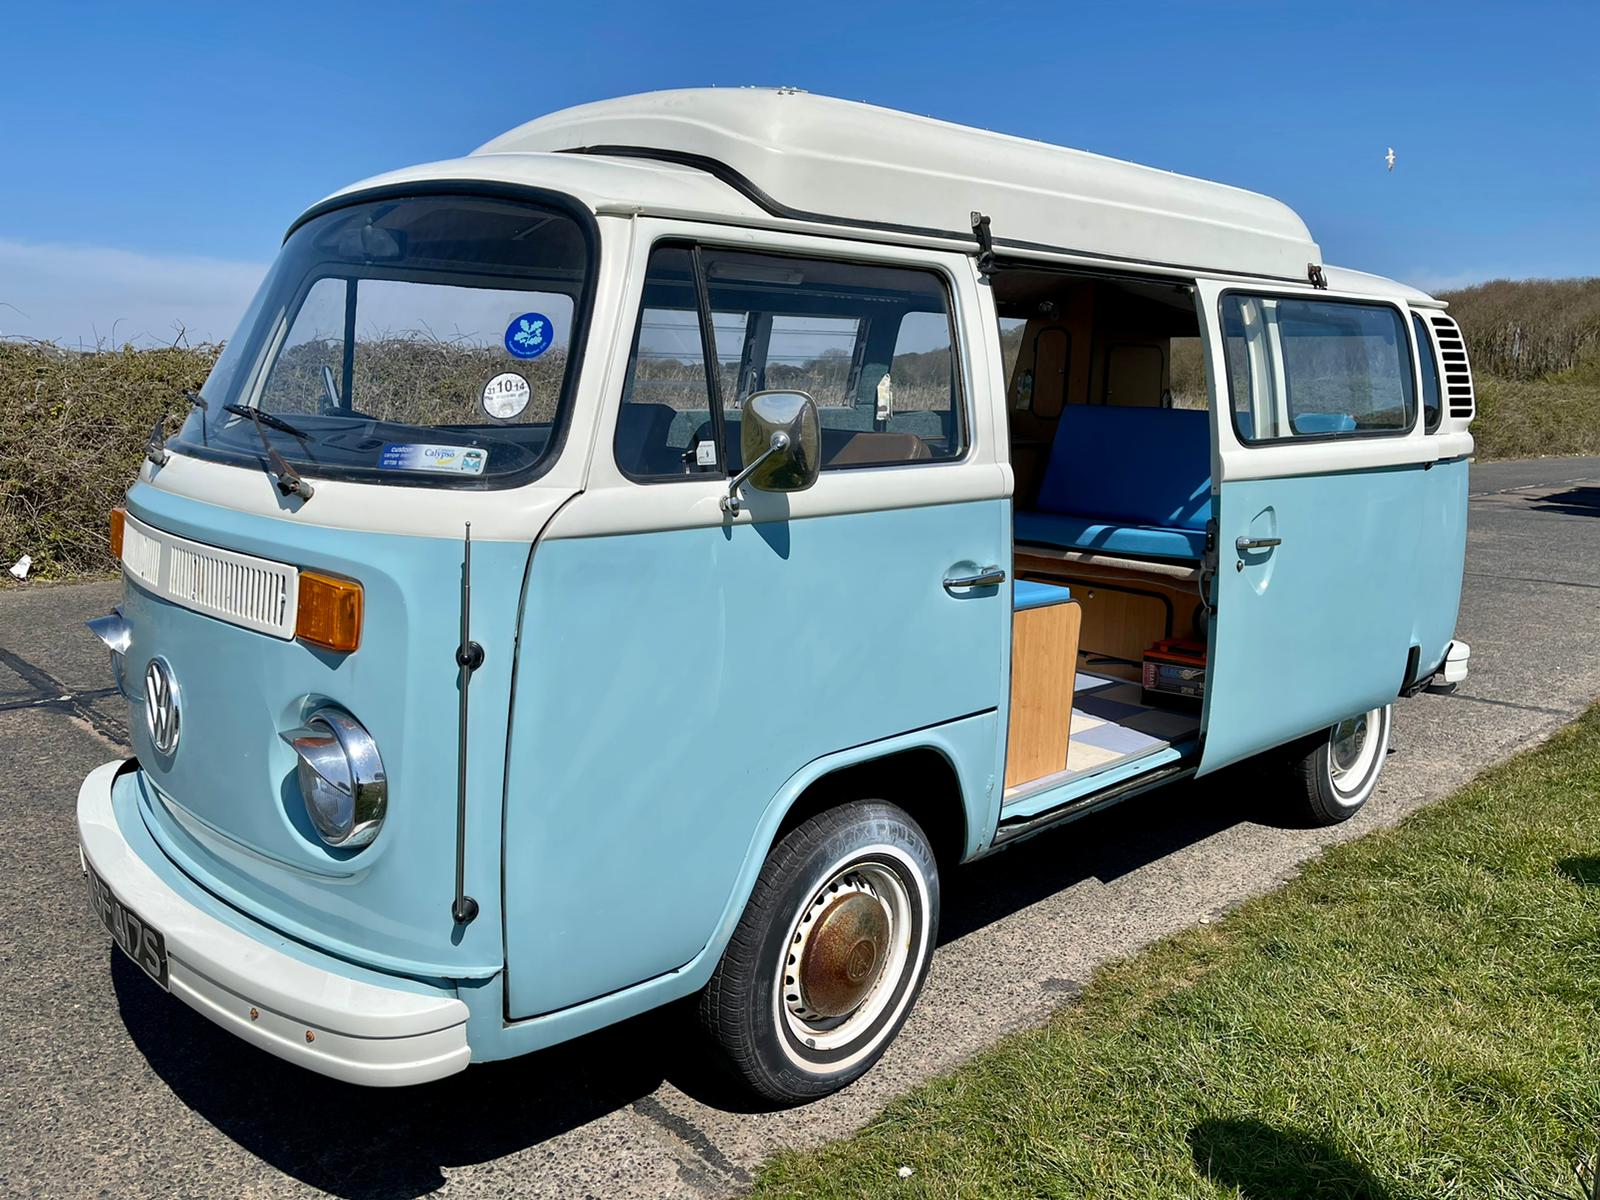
column 423, row 340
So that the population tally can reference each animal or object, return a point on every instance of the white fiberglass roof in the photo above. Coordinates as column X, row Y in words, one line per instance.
column 811, row 157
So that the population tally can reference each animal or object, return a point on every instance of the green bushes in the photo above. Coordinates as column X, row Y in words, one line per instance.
column 1525, row 329
column 1535, row 351
column 73, row 427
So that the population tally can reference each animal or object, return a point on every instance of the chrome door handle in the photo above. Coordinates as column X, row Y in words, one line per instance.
column 988, row 577
column 1244, row 544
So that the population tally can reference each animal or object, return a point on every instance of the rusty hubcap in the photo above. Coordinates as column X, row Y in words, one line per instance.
column 844, row 952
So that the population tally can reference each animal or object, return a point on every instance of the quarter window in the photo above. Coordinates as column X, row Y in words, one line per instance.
column 1316, row 368
column 1432, row 398
column 871, row 345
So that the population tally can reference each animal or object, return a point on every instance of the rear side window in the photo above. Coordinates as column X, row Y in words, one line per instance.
column 873, row 346
column 1432, row 396
column 1316, row 368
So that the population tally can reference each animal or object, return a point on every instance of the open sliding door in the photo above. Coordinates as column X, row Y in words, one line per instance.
column 1319, row 475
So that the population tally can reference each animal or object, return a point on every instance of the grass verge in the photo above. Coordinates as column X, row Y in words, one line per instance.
column 1556, row 414
column 1417, row 1015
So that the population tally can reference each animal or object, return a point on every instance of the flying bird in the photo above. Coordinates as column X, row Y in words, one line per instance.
column 1389, row 158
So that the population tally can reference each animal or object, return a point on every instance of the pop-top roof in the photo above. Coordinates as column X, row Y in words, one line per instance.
column 817, row 158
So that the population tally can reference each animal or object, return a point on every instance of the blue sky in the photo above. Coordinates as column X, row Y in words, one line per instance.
column 152, row 159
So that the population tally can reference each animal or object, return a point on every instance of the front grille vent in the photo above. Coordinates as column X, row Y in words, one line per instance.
column 251, row 594
column 256, row 593
column 1457, row 371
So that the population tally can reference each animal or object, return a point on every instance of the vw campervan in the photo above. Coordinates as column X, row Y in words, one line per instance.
column 642, row 557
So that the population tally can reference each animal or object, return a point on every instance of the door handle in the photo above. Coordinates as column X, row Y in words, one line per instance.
column 1246, row 544
column 988, row 577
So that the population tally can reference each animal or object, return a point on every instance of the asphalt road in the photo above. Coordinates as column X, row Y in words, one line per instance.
column 108, row 1086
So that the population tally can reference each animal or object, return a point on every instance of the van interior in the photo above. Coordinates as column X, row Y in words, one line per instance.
column 1111, row 448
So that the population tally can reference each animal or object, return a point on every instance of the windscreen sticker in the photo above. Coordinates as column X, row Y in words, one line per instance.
column 506, row 395
column 528, row 336
column 419, row 456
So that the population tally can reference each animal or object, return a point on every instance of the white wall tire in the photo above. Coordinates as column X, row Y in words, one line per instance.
column 1336, row 772
column 829, row 955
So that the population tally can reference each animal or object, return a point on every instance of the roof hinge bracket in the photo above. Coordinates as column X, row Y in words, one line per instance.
column 980, row 230
column 1314, row 273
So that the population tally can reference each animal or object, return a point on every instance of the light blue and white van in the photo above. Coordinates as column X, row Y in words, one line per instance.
column 641, row 558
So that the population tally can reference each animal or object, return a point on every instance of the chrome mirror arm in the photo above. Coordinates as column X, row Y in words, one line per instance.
column 731, row 502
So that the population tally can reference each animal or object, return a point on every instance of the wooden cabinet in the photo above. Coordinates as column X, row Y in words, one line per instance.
column 1044, row 663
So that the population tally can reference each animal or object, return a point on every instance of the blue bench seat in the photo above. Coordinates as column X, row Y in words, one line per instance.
column 1067, row 532
column 1126, row 481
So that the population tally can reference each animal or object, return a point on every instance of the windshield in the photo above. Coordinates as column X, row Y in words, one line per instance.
column 420, row 340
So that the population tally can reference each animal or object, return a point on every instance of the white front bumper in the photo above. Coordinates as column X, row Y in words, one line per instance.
column 349, row 1028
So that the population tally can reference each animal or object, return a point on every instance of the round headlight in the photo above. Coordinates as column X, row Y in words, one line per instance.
column 341, row 778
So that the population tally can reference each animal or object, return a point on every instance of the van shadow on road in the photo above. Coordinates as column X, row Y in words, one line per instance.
column 1575, row 502
column 1106, row 846
column 366, row 1144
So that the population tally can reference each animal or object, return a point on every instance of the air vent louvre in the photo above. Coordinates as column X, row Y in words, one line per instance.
column 1458, row 392
column 238, row 588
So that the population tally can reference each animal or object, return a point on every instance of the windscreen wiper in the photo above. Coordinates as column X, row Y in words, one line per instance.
column 270, row 420
column 286, row 478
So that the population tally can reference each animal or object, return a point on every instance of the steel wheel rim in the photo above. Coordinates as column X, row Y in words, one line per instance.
column 818, row 1025
column 1354, row 747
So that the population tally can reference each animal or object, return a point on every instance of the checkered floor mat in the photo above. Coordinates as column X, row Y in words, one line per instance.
column 1109, row 724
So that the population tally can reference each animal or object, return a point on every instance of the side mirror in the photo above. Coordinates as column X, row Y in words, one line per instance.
column 781, row 437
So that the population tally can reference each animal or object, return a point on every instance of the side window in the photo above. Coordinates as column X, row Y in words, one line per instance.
column 1316, row 368
column 664, row 425
column 1011, row 334
column 1186, row 374
column 1432, row 398
column 871, row 345
column 315, row 339
column 812, row 354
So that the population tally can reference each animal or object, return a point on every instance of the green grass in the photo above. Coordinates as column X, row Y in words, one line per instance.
column 1417, row 1015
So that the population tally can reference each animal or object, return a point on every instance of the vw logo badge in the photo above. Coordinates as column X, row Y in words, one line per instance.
column 161, row 715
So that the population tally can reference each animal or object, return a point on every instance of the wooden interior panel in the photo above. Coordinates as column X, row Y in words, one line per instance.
column 1051, row 371
column 1044, row 661
column 1136, row 374
column 1124, row 610
column 1120, row 624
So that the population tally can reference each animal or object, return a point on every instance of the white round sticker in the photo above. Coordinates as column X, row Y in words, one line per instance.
column 506, row 395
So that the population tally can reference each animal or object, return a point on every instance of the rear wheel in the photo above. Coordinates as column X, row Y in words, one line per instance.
column 1336, row 772
column 829, row 955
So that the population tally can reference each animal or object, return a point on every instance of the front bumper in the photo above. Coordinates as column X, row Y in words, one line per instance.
column 311, row 1009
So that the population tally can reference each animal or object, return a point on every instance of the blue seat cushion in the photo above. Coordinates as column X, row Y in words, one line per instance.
column 1069, row 532
column 1134, row 466
column 1030, row 593
column 1133, row 481
column 1323, row 422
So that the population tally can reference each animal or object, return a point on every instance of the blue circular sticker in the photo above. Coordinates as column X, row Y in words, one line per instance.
column 528, row 336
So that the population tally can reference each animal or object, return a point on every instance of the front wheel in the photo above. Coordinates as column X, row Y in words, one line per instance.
column 829, row 955
column 1336, row 772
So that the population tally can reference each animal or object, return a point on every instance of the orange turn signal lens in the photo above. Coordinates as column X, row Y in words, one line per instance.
column 118, row 516
column 329, row 613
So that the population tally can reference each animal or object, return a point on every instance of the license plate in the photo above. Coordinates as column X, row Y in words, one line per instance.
column 137, row 938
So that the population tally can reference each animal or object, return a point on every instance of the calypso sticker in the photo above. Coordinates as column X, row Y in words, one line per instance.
column 420, row 456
